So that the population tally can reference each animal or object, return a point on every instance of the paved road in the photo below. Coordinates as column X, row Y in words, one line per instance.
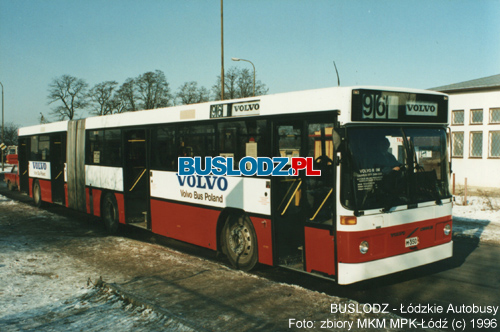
column 471, row 277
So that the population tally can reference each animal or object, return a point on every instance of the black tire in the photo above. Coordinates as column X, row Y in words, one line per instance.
column 109, row 213
column 37, row 194
column 240, row 242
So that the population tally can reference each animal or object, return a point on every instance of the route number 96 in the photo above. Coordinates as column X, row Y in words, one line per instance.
column 376, row 106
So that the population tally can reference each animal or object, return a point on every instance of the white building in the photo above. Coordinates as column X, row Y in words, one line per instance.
column 475, row 126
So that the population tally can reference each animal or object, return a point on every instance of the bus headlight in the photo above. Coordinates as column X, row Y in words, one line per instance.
column 447, row 229
column 363, row 247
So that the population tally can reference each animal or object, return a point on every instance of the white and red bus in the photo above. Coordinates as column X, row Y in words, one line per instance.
column 381, row 205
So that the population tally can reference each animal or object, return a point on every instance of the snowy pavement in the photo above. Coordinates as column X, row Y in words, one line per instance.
column 479, row 219
column 43, row 289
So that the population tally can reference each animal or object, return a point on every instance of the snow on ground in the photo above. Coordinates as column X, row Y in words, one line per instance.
column 96, row 310
column 43, row 290
column 479, row 219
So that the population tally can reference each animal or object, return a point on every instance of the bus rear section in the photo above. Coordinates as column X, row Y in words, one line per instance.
column 41, row 157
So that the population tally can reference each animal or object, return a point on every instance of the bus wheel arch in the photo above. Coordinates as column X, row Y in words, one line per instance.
column 238, row 239
column 220, row 225
column 109, row 212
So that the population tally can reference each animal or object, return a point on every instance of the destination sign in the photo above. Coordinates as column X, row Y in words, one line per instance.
column 235, row 109
column 218, row 111
column 389, row 106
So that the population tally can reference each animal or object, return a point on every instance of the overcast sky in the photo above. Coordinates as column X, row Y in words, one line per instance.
column 417, row 44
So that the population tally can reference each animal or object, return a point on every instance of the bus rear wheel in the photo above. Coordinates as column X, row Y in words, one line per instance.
column 240, row 242
column 109, row 213
column 37, row 194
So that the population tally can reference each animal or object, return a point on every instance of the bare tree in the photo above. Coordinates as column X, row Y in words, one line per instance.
column 238, row 84
column 10, row 133
column 101, row 97
column 153, row 89
column 245, row 85
column 230, row 79
column 189, row 93
column 71, row 92
column 126, row 97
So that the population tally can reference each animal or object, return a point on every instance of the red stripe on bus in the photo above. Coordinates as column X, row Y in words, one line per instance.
column 96, row 201
column 185, row 223
column 96, row 196
column 390, row 241
column 264, row 239
column 46, row 190
column 120, row 202
column 320, row 250
column 66, row 194
column 87, row 199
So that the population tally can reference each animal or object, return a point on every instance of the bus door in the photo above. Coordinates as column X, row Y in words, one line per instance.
column 23, row 159
column 57, row 160
column 304, row 205
column 136, row 178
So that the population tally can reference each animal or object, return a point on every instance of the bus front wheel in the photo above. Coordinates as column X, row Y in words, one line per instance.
column 109, row 213
column 240, row 242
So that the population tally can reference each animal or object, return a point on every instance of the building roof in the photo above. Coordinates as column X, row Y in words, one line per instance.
column 485, row 83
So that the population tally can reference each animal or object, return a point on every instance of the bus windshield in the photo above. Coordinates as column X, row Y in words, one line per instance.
column 393, row 166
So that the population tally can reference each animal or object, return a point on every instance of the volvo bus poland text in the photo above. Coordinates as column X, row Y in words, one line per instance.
column 346, row 183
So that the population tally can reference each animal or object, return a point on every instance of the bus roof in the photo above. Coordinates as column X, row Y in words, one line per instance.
column 326, row 99
column 44, row 128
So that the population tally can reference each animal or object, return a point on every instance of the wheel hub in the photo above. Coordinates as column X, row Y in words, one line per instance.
column 240, row 241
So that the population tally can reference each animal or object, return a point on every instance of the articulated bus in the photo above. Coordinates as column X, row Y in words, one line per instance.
column 380, row 205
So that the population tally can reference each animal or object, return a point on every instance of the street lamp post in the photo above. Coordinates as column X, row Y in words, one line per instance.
column 3, row 164
column 222, row 49
column 238, row 59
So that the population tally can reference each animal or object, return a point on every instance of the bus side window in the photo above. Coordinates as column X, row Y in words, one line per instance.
column 94, row 147
column 112, row 147
column 164, row 150
column 183, row 150
column 44, row 147
column 197, row 141
column 40, row 148
column 34, row 148
column 239, row 139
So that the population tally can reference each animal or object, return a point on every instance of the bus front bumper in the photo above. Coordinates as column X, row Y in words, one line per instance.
column 353, row 272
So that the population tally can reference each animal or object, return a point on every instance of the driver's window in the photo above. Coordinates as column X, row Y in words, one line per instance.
column 289, row 141
column 315, row 146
